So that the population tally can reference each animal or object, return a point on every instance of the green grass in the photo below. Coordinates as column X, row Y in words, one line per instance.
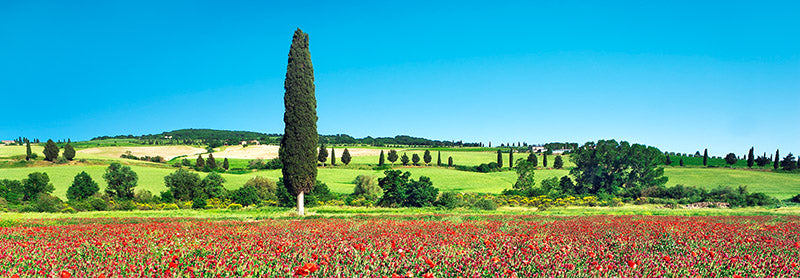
column 779, row 185
column 716, row 162
column 467, row 158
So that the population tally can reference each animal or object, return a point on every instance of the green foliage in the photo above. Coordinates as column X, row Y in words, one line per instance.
column 265, row 188
column 404, row 159
column 566, row 186
column 680, row 162
column 750, row 158
column 167, row 196
column 200, row 163
column 731, row 159
column 777, row 157
column 260, row 164
column 448, row 200
column 28, row 152
column 525, row 175
column 500, row 158
column 320, row 193
column 184, row 185
column 50, row 151
column 544, row 160
column 69, row 152
column 11, row 191
column 46, row 203
column 558, row 163
column 367, row 186
column 225, row 164
column 333, row 156
column 144, row 196
column 668, row 160
column 795, row 199
column 211, row 162
column 788, row 163
column 427, row 157
column 380, row 158
column 121, row 180
column 533, row 160
column 36, row 184
column 450, row 161
column 323, row 154
column 346, row 157
column 198, row 203
column 485, row 204
column 608, row 167
column 438, row 158
column 415, row 159
column 212, row 186
column 705, row 157
column 392, row 156
column 510, row 158
column 186, row 162
column 82, row 187
column 246, row 195
column 97, row 204
column 400, row 190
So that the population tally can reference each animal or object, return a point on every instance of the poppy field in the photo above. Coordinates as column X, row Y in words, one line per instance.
column 410, row 246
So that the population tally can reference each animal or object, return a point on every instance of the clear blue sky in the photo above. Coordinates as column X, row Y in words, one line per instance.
column 679, row 75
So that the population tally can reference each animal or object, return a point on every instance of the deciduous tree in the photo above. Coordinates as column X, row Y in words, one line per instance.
column 69, row 152
column 426, row 157
column 533, row 160
column 731, row 159
column 82, row 187
column 50, row 150
column 121, row 180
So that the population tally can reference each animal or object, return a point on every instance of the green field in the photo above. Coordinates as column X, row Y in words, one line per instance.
column 466, row 158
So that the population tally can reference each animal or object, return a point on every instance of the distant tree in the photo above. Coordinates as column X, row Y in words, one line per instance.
column 680, row 162
column 404, row 159
column 426, row 157
column 566, row 185
column 69, row 152
column 668, row 161
column 777, row 156
column 750, row 158
column 50, row 151
column 415, row 159
column 544, row 160
column 510, row 158
column 121, row 180
column 200, row 162
column 28, row 152
column 499, row 158
column 212, row 186
column 184, row 185
column 346, row 157
column 82, row 187
column 613, row 167
column 731, row 159
column 35, row 184
column 400, row 190
column 186, row 162
column 211, row 162
column 705, row 157
column 525, row 176
column 450, row 161
column 322, row 157
column 788, row 163
column 533, row 160
column 333, row 156
column 392, row 156
column 558, row 163
column 225, row 164
column 762, row 161
column 439, row 158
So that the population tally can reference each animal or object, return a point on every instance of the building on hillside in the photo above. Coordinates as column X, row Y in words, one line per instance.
column 560, row 151
column 168, row 137
column 537, row 149
column 254, row 142
column 8, row 142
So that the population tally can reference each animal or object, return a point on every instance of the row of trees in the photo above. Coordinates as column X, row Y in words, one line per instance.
column 788, row 163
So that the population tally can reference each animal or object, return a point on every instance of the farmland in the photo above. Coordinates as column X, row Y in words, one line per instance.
column 406, row 246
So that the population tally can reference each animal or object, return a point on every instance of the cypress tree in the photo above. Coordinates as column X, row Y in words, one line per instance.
column 750, row 158
column 404, row 159
column 510, row 158
column 439, row 158
column 69, row 152
column 705, row 157
column 558, row 163
column 427, row 157
column 499, row 158
column 200, row 162
column 533, row 160
column 333, row 156
column 225, row 164
column 415, row 159
column 346, row 156
column 211, row 162
column 323, row 155
column 669, row 161
column 777, row 156
column 300, row 136
column 28, row 152
column 380, row 159
column 450, row 161
column 50, row 150
column 681, row 162
column 544, row 160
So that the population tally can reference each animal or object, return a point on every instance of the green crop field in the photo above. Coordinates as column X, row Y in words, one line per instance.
column 466, row 158
column 779, row 185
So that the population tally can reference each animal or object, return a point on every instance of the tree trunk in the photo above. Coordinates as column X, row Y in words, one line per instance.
column 301, row 203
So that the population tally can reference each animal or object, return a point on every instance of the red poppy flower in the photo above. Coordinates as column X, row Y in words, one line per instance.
column 65, row 274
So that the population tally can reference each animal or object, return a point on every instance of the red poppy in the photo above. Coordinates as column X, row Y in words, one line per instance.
column 65, row 274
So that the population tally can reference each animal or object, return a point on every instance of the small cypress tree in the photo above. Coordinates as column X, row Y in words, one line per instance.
column 427, row 157
column 225, row 164
column 450, row 161
column 680, row 162
column 533, row 160
column 544, row 160
column 50, row 150
column 558, row 163
column 777, row 156
column 439, row 158
column 380, row 159
column 200, row 162
column 28, row 152
column 499, row 158
column 346, row 156
column 392, row 156
column 668, row 161
column 510, row 158
column 705, row 157
column 415, row 159
column 69, row 152
column 323, row 155
column 333, row 156
column 211, row 162
column 404, row 159
column 750, row 158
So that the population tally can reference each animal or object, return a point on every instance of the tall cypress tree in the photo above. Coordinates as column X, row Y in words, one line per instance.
column 225, row 164
column 668, row 161
column 333, row 156
column 705, row 157
column 499, row 158
column 200, row 162
column 777, row 157
column 544, row 160
column 439, row 158
column 510, row 158
column 323, row 154
column 750, row 158
column 211, row 162
column 300, row 137
column 381, row 159
column 28, row 152
column 450, row 161
column 346, row 156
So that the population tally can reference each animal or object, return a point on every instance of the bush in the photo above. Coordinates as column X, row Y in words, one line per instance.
column 320, row 193
column 167, row 197
column 198, row 203
column 265, row 188
column 485, row 204
column 367, row 187
column 97, row 203
column 46, row 203
column 143, row 196
column 68, row 210
column 126, row 205
column 448, row 200
column 795, row 199
column 234, row 206
column 246, row 195
column 260, row 164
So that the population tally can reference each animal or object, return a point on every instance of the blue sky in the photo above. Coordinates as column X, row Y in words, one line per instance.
column 679, row 75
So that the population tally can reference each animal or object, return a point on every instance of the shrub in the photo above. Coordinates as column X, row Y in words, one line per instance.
column 265, row 187
column 126, row 205
column 97, row 203
column 167, row 197
column 448, row 200
column 234, row 206
column 246, row 195
column 68, row 210
column 795, row 199
column 198, row 203
column 46, row 203
column 367, row 187
column 170, row 207
column 143, row 196
column 485, row 204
